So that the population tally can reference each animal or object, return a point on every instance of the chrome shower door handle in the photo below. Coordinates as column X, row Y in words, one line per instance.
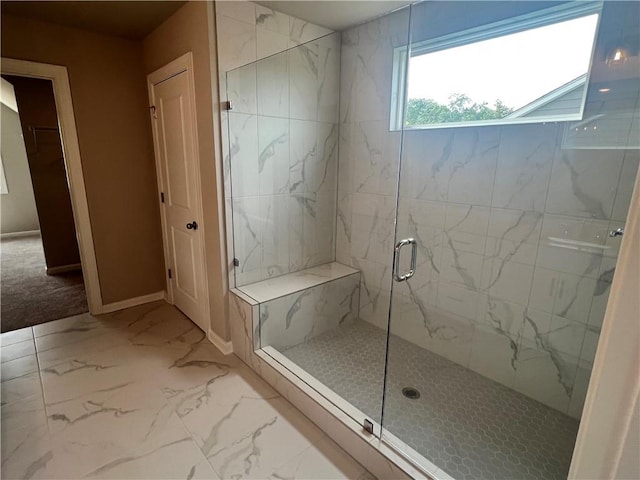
column 396, row 259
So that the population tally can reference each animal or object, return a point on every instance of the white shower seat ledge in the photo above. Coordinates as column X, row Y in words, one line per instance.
column 289, row 283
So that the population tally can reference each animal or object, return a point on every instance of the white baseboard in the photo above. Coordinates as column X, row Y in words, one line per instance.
column 132, row 302
column 64, row 268
column 225, row 347
column 28, row 233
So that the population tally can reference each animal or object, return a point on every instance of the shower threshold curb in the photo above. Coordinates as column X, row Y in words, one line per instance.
column 386, row 458
column 335, row 416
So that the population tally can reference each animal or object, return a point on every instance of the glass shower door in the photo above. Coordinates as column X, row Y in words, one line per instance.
column 516, row 172
column 283, row 136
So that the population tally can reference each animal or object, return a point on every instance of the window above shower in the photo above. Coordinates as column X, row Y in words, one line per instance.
column 488, row 70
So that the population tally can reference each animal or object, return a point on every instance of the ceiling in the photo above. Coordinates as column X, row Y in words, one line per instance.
column 336, row 14
column 129, row 19
column 136, row 19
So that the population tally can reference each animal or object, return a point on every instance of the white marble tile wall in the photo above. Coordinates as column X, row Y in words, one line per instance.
column 279, row 140
column 515, row 261
column 290, row 320
column 369, row 154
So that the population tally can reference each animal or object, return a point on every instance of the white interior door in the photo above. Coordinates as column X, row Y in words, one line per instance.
column 177, row 162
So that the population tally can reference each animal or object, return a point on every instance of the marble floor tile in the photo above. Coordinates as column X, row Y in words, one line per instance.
column 26, row 448
column 17, row 350
column 161, row 463
column 76, row 324
column 89, row 372
column 159, row 324
column 133, row 420
column 67, row 332
column 27, row 455
column 252, row 436
column 50, row 355
column 28, row 414
column 21, row 388
column 193, row 372
column 16, row 336
column 142, row 394
column 18, row 367
column 323, row 460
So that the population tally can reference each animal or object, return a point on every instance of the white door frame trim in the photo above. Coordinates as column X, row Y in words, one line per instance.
column 73, row 165
column 184, row 63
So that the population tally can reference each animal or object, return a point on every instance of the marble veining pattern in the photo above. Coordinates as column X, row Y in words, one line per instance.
column 141, row 393
column 514, row 258
column 295, row 318
column 282, row 163
column 280, row 139
column 514, row 263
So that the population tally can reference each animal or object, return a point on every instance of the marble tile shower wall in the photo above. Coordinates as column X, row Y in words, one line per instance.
column 368, row 159
column 279, row 140
column 515, row 261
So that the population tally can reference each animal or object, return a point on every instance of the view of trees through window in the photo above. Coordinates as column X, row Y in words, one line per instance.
column 459, row 108
column 495, row 75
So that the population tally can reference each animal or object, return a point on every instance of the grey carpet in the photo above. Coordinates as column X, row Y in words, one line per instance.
column 28, row 296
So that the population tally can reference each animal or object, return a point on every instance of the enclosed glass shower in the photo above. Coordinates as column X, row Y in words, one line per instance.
column 425, row 207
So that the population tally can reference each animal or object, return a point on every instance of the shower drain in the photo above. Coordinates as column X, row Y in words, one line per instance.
column 411, row 393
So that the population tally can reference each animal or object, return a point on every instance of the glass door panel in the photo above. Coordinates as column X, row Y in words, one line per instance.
column 312, row 220
column 510, row 187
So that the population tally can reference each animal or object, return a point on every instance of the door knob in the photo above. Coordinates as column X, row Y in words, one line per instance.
column 192, row 226
column 618, row 232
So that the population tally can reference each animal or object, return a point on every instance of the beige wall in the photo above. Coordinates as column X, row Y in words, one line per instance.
column 187, row 30
column 18, row 206
column 108, row 87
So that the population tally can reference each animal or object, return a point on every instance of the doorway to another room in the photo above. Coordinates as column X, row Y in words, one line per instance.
column 41, row 271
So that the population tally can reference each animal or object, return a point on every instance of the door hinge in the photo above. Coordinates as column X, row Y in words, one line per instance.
column 226, row 106
column 162, row 197
column 152, row 108
column 170, row 273
column 236, row 262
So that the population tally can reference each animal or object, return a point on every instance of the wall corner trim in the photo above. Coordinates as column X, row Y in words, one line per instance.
column 133, row 302
column 225, row 347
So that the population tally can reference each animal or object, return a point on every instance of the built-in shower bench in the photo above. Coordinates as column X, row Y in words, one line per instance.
column 290, row 283
column 292, row 308
column 270, row 316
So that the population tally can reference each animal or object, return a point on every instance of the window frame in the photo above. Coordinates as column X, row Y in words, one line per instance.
column 541, row 18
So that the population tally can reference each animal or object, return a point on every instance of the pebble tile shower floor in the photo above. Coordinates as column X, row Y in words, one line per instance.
column 468, row 425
